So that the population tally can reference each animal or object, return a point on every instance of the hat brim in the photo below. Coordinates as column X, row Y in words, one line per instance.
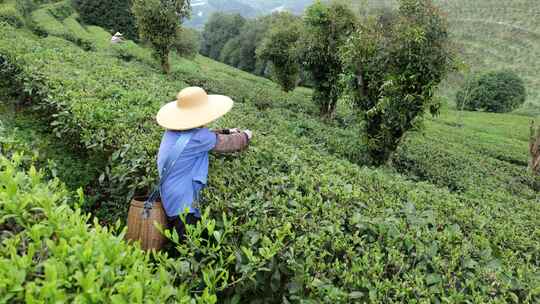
column 172, row 117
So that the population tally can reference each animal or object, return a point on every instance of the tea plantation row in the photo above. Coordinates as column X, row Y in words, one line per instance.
column 292, row 219
column 50, row 254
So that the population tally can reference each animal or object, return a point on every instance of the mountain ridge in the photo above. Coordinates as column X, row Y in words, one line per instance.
column 202, row 9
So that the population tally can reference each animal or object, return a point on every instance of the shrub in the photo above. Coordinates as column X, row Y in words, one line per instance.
column 158, row 23
column 393, row 72
column 11, row 15
column 60, row 10
column 187, row 43
column 25, row 7
column 50, row 254
column 327, row 27
column 45, row 23
column 113, row 15
column 129, row 51
column 502, row 91
column 280, row 48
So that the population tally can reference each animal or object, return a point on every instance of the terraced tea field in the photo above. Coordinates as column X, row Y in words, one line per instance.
column 298, row 218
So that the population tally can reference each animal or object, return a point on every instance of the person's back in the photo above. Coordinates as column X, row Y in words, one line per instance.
column 180, row 192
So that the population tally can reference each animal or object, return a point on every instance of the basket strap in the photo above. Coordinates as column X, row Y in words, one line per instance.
column 171, row 160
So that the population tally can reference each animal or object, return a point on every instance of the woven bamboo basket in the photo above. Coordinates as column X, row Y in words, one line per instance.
column 144, row 230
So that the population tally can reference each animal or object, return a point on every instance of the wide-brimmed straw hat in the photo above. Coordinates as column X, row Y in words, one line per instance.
column 193, row 108
column 118, row 34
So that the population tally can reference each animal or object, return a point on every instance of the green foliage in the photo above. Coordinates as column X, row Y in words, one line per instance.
column 11, row 15
column 393, row 71
column 279, row 47
column 187, row 43
column 310, row 226
column 25, row 131
column 50, row 254
column 500, row 92
column 113, row 15
column 327, row 27
column 25, row 7
column 240, row 51
column 158, row 23
column 221, row 27
column 45, row 23
column 60, row 9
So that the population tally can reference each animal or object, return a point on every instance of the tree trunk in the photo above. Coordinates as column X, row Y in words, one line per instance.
column 165, row 66
column 534, row 149
column 328, row 109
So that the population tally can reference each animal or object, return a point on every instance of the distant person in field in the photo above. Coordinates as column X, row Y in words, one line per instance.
column 117, row 38
column 185, row 120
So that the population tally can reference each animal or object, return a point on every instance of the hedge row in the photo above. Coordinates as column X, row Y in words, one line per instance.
column 50, row 254
column 10, row 13
column 287, row 221
column 47, row 21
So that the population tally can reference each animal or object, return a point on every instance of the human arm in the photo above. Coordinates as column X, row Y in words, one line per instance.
column 230, row 141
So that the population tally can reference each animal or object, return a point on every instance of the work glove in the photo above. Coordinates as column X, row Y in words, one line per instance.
column 249, row 134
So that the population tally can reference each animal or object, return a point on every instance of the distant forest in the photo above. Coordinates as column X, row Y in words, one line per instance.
column 234, row 40
column 203, row 9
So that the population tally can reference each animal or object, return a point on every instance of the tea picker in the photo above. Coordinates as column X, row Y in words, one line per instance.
column 117, row 38
column 183, row 164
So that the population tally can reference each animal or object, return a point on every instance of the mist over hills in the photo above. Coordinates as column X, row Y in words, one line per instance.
column 202, row 9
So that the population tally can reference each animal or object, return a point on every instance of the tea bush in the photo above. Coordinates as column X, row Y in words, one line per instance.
column 47, row 23
column 292, row 219
column 392, row 71
column 500, row 92
column 10, row 14
column 23, row 130
column 114, row 16
column 49, row 252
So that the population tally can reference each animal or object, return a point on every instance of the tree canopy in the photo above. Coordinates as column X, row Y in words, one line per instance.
column 158, row 22
column 220, row 28
column 113, row 15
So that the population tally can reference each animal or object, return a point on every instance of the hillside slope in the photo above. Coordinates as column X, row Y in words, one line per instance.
column 297, row 217
column 492, row 35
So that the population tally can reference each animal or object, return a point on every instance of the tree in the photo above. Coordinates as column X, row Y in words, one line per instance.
column 240, row 51
column 113, row 15
column 158, row 22
column 500, row 91
column 392, row 72
column 280, row 48
column 219, row 29
column 187, row 43
column 326, row 29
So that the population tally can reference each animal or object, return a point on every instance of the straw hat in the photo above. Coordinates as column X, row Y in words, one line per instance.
column 118, row 34
column 192, row 109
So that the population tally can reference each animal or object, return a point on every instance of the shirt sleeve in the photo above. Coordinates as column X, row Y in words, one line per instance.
column 204, row 140
column 230, row 143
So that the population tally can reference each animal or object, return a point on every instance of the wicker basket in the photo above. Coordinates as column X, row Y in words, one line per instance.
column 144, row 230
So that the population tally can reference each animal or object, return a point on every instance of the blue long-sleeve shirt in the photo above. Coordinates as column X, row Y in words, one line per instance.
column 190, row 172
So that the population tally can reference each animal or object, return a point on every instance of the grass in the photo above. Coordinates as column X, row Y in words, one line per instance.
column 298, row 216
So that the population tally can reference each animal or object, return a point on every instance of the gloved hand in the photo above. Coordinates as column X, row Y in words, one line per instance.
column 249, row 134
